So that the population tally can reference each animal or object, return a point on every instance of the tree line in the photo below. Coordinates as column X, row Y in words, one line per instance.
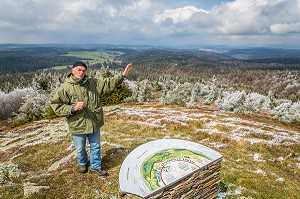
column 21, row 60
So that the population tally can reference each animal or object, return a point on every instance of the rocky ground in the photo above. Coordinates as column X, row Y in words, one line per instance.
column 261, row 156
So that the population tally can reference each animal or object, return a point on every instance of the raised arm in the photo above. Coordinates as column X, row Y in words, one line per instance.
column 126, row 70
column 107, row 85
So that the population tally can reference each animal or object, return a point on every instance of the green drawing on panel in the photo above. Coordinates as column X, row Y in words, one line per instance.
column 153, row 165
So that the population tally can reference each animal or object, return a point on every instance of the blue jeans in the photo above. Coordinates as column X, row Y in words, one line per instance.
column 79, row 141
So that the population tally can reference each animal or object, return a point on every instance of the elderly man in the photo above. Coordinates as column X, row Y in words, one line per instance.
column 78, row 99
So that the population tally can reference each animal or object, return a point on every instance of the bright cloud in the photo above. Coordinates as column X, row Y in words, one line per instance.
column 178, row 14
column 255, row 16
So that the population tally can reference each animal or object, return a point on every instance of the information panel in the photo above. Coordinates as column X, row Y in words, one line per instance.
column 157, row 164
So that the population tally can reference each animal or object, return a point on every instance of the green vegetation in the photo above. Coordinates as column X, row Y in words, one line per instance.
column 19, row 60
column 44, row 154
column 96, row 55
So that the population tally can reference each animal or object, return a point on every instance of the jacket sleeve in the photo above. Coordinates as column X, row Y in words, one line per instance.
column 60, row 103
column 107, row 85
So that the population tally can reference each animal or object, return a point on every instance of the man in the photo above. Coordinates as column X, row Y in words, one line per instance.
column 78, row 99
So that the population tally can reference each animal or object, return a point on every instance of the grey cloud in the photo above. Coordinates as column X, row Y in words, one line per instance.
column 167, row 22
column 203, row 20
column 285, row 28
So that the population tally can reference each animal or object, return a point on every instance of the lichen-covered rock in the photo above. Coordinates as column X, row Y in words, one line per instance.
column 8, row 170
column 31, row 188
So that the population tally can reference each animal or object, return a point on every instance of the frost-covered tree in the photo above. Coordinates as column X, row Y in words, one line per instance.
column 47, row 81
column 194, row 96
column 34, row 106
column 41, row 81
column 210, row 91
column 103, row 72
column 133, row 87
column 167, row 84
column 145, row 91
column 180, row 94
column 11, row 102
column 232, row 101
column 286, row 110
column 256, row 102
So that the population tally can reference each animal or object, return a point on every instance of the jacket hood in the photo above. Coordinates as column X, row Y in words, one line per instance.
column 70, row 79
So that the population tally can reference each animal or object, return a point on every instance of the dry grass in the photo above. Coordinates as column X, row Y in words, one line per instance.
column 260, row 156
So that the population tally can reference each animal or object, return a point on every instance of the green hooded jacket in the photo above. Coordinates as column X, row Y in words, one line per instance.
column 89, row 91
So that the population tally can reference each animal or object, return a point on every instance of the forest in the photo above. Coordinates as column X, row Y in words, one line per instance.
column 30, row 76
column 32, row 59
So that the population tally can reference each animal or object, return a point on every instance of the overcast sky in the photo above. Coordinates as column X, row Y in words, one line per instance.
column 152, row 22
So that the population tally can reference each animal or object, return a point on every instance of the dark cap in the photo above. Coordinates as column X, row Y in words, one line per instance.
column 79, row 63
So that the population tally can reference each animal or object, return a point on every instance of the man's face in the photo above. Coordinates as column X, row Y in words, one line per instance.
column 79, row 72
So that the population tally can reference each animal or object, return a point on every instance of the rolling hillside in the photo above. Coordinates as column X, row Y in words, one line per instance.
column 263, row 53
column 260, row 156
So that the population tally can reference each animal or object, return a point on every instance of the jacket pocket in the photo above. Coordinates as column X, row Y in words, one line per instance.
column 99, row 114
column 76, row 122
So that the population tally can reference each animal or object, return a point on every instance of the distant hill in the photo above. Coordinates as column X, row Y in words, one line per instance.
column 18, row 58
column 167, row 60
column 263, row 53
column 178, row 54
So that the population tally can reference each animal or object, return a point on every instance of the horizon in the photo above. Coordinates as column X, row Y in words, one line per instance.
column 198, row 47
column 233, row 23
